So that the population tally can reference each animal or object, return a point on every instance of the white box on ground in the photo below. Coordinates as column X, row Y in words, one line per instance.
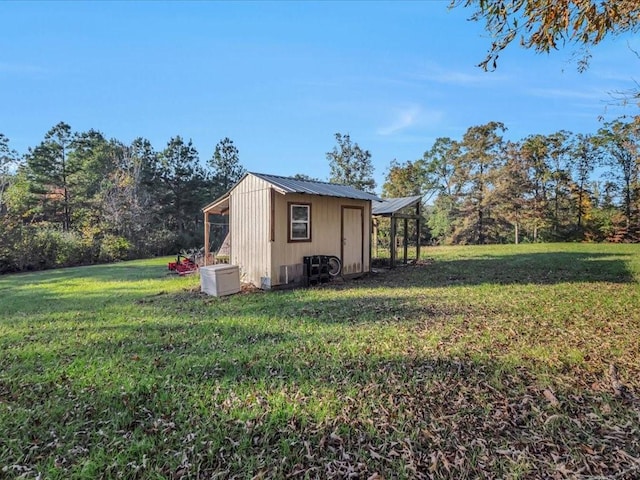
column 220, row 280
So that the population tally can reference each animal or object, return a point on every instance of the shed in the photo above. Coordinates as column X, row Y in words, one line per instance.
column 405, row 208
column 274, row 222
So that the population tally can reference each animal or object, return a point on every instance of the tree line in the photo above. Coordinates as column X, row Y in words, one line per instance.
column 80, row 198
column 557, row 187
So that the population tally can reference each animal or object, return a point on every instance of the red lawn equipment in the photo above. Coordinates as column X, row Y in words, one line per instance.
column 184, row 264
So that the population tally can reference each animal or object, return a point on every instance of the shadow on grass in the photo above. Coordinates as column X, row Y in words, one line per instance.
column 533, row 268
column 129, row 271
column 277, row 398
column 376, row 304
column 289, row 380
column 525, row 269
column 40, row 300
column 81, row 289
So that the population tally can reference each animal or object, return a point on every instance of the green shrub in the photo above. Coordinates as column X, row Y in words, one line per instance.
column 113, row 248
column 49, row 247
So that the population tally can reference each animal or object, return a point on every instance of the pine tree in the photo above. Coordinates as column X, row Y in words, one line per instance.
column 351, row 165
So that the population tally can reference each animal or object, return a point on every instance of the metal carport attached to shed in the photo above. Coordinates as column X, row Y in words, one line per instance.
column 394, row 209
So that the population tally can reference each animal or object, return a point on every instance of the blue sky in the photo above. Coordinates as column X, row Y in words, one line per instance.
column 280, row 79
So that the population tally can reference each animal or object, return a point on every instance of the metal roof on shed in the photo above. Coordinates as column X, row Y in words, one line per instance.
column 389, row 206
column 294, row 185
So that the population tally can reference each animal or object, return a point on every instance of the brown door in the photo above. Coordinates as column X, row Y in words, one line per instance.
column 352, row 240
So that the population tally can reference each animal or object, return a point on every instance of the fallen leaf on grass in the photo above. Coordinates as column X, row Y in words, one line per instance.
column 550, row 396
column 375, row 455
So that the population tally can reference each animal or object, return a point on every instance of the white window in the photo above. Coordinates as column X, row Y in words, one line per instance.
column 299, row 222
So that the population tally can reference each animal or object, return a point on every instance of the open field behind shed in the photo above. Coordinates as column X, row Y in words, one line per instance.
column 495, row 362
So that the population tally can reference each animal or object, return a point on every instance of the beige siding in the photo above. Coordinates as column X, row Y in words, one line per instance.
column 326, row 218
column 249, row 222
column 261, row 258
column 352, row 240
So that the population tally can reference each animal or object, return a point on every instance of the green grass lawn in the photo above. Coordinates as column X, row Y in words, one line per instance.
column 481, row 362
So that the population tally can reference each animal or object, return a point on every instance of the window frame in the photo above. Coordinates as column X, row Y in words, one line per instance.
column 291, row 221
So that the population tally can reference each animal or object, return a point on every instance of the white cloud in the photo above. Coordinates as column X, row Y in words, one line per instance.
column 478, row 77
column 408, row 117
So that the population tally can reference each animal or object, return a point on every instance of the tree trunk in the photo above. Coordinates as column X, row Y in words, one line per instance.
column 66, row 220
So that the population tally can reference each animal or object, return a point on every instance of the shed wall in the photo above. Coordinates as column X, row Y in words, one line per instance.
column 326, row 218
column 249, row 221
